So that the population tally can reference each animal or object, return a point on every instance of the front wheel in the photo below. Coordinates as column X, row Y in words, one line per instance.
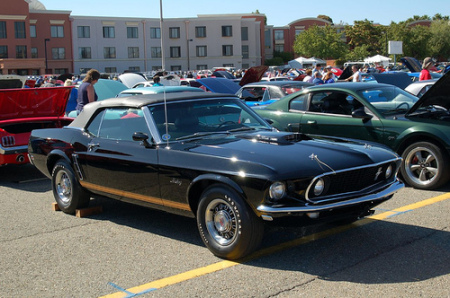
column 228, row 227
column 67, row 191
column 424, row 166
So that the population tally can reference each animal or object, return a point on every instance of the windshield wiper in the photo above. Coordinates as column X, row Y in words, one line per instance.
column 198, row 135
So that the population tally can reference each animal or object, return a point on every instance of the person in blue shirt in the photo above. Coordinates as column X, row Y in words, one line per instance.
column 317, row 79
column 156, row 81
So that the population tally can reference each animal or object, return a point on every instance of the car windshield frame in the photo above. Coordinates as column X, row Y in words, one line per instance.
column 388, row 100
column 176, row 121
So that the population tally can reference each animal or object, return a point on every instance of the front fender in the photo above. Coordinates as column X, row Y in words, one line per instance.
column 415, row 134
column 200, row 183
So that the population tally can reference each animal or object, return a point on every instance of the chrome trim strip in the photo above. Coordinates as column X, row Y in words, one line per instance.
column 13, row 150
column 396, row 160
column 393, row 188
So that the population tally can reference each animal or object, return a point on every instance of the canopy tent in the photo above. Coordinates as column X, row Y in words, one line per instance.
column 378, row 59
column 302, row 62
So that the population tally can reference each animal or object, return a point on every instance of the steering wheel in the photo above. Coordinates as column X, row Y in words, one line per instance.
column 228, row 122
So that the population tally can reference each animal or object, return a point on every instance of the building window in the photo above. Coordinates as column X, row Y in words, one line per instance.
column 84, row 31
column 109, row 52
column 244, row 33
column 58, row 53
column 110, row 69
column 174, row 32
column 200, row 31
column 227, row 50
column 2, row 29
column 298, row 31
column 244, row 52
column 202, row 66
column 3, row 51
column 132, row 32
column 175, row 52
column 156, row 52
column 61, row 70
column 201, row 51
column 133, row 52
column 33, row 31
column 134, row 68
column 19, row 30
column 34, row 53
column 279, row 48
column 84, row 53
column 279, row 34
column 109, row 32
column 57, row 31
column 156, row 67
column 155, row 32
column 227, row 31
column 21, row 52
column 175, row 67
column 267, row 39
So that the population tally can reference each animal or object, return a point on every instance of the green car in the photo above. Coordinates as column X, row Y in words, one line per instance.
column 418, row 130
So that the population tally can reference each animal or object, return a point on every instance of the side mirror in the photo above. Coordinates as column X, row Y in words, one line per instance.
column 142, row 137
column 361, row 114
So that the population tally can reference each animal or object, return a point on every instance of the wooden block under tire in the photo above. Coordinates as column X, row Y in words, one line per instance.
column 55, row 207
column 88, row 211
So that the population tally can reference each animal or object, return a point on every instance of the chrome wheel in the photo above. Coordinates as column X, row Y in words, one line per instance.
column 221, row 221
column 422, row 166
column 63, row 187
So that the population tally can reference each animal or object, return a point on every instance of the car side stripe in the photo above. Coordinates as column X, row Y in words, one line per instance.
column 136, row 196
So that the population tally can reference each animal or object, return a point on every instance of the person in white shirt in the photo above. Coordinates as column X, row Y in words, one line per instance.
column 356, row 76
column 308, row 78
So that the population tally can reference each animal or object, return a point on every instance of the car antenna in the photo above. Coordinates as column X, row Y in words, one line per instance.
column 166, row 136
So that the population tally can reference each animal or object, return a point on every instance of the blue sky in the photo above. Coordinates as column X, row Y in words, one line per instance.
column 278, row 13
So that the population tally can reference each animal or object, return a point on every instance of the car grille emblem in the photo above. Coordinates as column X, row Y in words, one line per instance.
column 380, row 170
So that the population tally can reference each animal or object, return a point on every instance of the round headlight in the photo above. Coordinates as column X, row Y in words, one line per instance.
column 277, row 190
column 388, row 172
column 319, row 186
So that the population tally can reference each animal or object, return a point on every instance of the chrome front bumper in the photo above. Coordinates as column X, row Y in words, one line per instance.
column 374, row 197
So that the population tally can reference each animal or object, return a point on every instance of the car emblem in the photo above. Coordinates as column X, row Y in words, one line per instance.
column 380, row 170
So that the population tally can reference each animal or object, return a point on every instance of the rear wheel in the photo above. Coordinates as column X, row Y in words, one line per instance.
column 67, row 191
column 228, row 227
column 425, row 166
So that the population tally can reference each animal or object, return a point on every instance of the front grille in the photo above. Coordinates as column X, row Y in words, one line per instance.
column 8, row 141
column 352, row 180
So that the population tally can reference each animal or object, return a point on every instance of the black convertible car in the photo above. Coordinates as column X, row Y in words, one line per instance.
column 211, row 157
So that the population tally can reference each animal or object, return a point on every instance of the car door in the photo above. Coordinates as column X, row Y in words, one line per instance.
column 114, row 164
column 330, row 113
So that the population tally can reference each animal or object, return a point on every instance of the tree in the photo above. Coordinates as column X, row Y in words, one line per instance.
column 365, row 33
column 439, row 41
column 325, row 17
column 359, row 53
column 323, row 42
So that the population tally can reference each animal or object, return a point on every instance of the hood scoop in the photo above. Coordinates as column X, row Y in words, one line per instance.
column 276, row 138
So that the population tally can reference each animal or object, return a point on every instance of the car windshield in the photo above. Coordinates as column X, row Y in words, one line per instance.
column 388, row 100
column 199, row 118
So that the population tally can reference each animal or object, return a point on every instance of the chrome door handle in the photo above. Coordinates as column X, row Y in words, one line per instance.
column 311, row 122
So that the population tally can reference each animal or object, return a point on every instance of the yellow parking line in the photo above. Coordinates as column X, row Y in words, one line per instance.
column 158, row 284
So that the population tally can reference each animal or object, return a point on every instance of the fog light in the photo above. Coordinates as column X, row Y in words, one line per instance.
column 319, row 186
column 388, row 172
column 277, row 190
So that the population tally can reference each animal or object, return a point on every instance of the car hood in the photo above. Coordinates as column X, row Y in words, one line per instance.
column 412, row 64
column 253, row 74
column 286, row 155
column 220, row 85
column 12, row 81
column 33, row 102
column 438, row 94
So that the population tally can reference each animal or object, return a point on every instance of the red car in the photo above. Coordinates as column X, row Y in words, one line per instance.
column 21, row 111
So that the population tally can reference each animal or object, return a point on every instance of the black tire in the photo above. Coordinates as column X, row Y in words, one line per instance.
column 67, row 191
column 425, row 166
column 228, row 227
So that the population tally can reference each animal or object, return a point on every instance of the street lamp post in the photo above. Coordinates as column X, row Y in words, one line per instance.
column 45, row 50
